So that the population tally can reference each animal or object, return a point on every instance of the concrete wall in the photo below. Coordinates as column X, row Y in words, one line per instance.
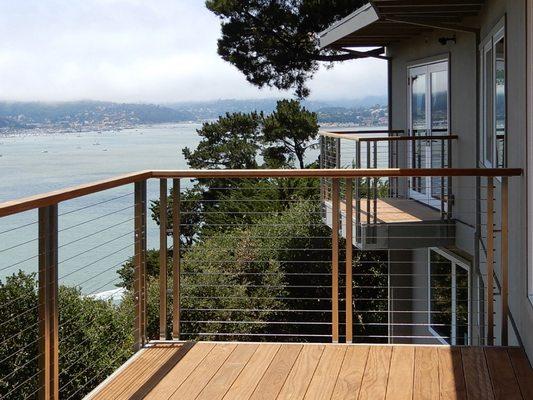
column 463, row 59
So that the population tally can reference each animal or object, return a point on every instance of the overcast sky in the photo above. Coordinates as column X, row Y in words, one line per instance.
column 137, row 51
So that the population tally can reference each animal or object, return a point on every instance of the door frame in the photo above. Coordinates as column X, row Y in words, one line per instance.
column 456, row 261
column 441, row 63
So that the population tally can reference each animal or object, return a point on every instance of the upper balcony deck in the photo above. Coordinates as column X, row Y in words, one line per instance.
column 390, row 212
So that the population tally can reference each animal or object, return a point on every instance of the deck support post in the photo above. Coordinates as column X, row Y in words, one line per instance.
column 335, row 219
column 163, row 259
column 505, row 259
column 140, row 265
column 490, row 261
column 176, row 267
column 349, row 259
column 48, row 304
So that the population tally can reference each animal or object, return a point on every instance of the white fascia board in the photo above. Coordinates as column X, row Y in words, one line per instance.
column 359, row 19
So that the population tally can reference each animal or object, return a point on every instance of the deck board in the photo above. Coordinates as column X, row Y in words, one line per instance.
column 374, row 386
column 451, row 375
column 326, row 373
column 301, row 374
column 395, row 211
column 243, row 371
column 501, row 374
column 351, row 374
column 401, row 371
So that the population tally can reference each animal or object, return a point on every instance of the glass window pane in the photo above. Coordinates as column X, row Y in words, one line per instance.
column 439, row 102
column 461, row 281
column 440, row 295
column 418, row 104
column 419, row 126
column 499, row 51
column 488, row 104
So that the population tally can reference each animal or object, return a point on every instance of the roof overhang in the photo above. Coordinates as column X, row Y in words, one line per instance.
column 384, row 22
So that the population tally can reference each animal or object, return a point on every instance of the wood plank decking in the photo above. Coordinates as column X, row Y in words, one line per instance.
column 208, row 370
column 393, row 211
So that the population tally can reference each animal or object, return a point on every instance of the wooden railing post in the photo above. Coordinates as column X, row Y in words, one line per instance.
column 349, row 256
column 490, row 261
column 176, row 268
column 335, row 261
column 162, row 259
column 48, row 304
column 140, row 265
column 505, row 258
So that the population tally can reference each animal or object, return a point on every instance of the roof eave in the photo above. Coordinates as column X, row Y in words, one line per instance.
column 357, row 20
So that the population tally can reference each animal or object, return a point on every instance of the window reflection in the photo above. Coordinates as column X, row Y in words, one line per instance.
column 499, row 108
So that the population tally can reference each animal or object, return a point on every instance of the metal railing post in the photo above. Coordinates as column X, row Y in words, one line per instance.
column 349, row 261
column 48, row 304
column 162, row 259
column 140, row 265
column 490, row 261
column 176, row 268
column 335, row 262
column 505, row 258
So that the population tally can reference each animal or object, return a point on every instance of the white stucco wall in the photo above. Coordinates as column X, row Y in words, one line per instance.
column 463, row 60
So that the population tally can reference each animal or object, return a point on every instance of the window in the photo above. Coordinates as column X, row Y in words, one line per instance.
column 530, row 144
column 448, row 298
column 493, row 99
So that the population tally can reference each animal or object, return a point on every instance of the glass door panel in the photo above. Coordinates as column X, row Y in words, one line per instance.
column 439, row 126
column 418, row 84
column 499, row 107
column 429, row 116
column 449, row 298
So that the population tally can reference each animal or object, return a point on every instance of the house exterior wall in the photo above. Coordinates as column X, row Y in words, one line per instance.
column 464, row 95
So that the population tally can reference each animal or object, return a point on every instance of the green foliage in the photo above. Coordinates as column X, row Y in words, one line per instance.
column 95, row 338
column 18, row 336
column 126, row 271
column 289, row 130
column 232, row 142
column 275, row 43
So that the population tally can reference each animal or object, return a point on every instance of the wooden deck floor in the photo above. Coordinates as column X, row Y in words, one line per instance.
column 213, row 371
column 390, row 211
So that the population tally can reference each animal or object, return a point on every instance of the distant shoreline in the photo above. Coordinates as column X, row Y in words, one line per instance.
column 42, row 131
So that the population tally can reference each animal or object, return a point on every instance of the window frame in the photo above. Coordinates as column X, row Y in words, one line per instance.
column 457, row 262
column 529, row 140
column 488, row 44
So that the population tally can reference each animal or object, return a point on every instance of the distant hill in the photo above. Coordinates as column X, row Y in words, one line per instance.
column 206, row 110
column 98, row 115
column 86, row 113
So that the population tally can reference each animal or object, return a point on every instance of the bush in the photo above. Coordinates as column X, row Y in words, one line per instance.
column 95, row 338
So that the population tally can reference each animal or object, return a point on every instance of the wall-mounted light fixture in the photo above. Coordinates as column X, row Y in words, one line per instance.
column 444, row 40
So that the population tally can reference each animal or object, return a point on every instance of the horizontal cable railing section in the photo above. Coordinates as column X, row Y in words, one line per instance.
column 87, row 279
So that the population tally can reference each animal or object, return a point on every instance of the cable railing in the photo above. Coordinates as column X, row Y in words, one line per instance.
column 243, row 255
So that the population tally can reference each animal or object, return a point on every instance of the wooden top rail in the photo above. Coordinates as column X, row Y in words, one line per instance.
column 365, row 131
column 47, row 199
column 364, row 138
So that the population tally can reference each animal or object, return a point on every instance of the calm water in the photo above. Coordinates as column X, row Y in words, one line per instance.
column 96, row 231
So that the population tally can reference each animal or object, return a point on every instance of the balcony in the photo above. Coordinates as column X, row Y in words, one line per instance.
column 393, row 213
column 254, row 296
